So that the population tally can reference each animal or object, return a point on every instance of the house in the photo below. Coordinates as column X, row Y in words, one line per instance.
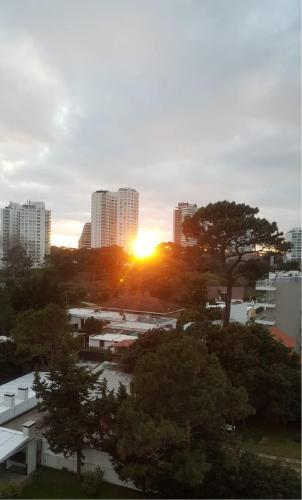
column 111, row 340
column 121, row 320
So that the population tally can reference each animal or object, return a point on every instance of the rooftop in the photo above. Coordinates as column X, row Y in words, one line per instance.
column 17, row 396
column 10, row 442
column 111, row 337
column 283, row 337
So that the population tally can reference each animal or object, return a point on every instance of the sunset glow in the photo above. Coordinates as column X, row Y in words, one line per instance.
column 145, row 244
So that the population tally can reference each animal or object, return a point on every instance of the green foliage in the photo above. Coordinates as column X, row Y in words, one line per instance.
column 11, row 490
column 249, row 477
column 17, row 263
column 9, row 368
column 253, row 359
column 35, row 290
column 143, row 345
column 7, row 312
column 66, row 398
column 91, row 481
column 93, row 326
column 230, row 232
column 167, row 428
column 40, row 336
column 52, row 483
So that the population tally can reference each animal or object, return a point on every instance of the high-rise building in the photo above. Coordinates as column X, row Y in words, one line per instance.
column 182, row 211
column 85, row 238
column 114, row 218
column 127, row 218
column 28, row 225
column 294, row 236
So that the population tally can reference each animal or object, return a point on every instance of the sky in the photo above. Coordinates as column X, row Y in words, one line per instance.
column 183, row 100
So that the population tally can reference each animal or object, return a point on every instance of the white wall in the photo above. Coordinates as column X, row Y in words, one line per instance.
column 93, row 459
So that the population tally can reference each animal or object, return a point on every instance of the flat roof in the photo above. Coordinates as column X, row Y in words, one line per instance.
column 8, row 415
column 20, row 405
column 111, row 337
column 137, row 325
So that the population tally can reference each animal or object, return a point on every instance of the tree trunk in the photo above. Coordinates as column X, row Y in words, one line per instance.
column 79, row 463
column 228, row 301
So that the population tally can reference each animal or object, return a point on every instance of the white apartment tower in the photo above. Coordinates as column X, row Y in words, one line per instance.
column 85, row 238
column 114, row 218
column 294, row 236
column 28, row 225
column 182, row 211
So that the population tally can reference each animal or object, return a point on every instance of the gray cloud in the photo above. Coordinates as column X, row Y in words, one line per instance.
column 184, row 100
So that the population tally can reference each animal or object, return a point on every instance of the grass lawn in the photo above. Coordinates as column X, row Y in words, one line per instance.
column 274, row 440
column 51, row 483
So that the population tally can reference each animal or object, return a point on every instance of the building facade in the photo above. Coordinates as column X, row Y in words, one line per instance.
column 182, row 211
column 114, row 218
column 294, row 236
column 27, row 225
column 280, row 299
column 127, row 218
column 85, row 238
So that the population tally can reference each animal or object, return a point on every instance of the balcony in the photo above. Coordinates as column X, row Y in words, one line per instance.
column 265, row 285
column 266, row 322
column 266, row 301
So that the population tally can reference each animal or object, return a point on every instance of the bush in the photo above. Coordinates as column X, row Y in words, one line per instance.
column 91, row 481
column 11, row 490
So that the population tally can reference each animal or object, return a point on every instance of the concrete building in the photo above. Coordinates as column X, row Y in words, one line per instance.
column 119, row 321
column 22, row 442
column 114, row 218
column 85, row 238
column 182, row 211
column 280, row 298
column 111, row 340
column 127, row 218
column 28, row 225
column 294, row 236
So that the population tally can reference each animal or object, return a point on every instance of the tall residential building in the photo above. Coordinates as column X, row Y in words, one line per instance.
column 127, row 218
column 114, row 218
column 182, row 211
column 85, row 238
column 294, row 236
column 28, row 225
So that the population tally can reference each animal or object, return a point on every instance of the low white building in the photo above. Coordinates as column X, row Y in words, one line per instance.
column 108, row 340
column 135, row 323
column 20, row 438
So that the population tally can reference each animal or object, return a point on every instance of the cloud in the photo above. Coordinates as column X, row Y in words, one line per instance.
column 183, row 100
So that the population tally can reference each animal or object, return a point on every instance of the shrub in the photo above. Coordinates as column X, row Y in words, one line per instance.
column 91, row 481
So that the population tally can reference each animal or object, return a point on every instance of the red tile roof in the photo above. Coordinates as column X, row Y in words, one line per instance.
column 126, row 343
column 283, row 337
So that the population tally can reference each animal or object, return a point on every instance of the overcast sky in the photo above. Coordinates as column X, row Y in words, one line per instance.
column 193, row 100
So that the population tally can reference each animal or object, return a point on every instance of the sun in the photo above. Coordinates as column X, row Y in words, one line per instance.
column 144, row 245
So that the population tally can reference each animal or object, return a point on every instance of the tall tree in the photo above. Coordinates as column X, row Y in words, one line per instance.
column 66, row 396
column 17, row 262
column 40, row 336
column 252, row 358
column 173, row 419
column 231, row 232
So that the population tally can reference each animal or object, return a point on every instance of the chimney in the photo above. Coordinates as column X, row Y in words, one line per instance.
column 9, row 399
column 28, row 428
column 22, row 393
